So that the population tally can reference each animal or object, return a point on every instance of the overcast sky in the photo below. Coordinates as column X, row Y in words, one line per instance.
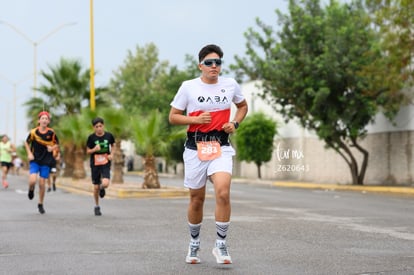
column 177, row 27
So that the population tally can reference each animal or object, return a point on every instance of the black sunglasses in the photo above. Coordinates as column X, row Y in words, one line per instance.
column 209, row 62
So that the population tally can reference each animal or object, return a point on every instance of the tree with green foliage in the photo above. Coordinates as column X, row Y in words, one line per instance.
column 66, row 90
column 134, row 85
column 65, row 93
column 175, row 150
column 394, row 71
column 148, row 135
column 144, row 83
column 312, row 71
column 254, row 140
column 73, row 131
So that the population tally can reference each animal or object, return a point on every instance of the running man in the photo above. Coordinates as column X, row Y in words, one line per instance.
column 100, row 145
column 208, row 154
column 40, row 144
column 6, row 150
column 17, row 164
column 51, row 181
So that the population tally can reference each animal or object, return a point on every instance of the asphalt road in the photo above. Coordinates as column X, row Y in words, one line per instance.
column 273, row 231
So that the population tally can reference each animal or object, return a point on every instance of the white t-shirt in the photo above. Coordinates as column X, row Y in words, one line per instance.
column 196, row 97
column 17, row 162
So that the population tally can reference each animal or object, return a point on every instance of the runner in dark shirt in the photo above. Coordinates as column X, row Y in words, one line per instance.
column 100, row 146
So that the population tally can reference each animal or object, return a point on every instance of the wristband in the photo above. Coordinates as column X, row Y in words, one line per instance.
column 236, row 124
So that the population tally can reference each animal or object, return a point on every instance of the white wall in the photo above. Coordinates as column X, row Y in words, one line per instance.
column 390, row 147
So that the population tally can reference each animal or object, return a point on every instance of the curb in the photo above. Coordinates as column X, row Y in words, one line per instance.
column 402, row 190
column 121, row 191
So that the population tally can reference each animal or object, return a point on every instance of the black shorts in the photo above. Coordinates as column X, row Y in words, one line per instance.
column 52, row 166
column 100, row 172
column 6, row 164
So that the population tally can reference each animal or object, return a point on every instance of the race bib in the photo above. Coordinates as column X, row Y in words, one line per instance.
column 208, row 150
column 100, row 159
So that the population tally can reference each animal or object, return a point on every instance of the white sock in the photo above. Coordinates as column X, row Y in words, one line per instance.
column 194, row 242
column 220, row 242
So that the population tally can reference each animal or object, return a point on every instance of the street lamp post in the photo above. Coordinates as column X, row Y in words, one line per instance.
column 92, row 71
column 14, row 84
column 35, row 45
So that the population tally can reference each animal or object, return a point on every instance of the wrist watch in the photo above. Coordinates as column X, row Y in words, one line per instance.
column 236, row 124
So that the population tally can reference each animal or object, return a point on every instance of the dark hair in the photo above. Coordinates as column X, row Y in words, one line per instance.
column 97, row 120
column 209, row 49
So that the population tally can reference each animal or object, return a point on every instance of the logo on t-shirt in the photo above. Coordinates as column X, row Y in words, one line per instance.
column 213, row 100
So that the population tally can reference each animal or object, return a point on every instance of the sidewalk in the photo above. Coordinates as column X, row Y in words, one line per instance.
column 132, row 188
column 128, row 189
column 402, row 190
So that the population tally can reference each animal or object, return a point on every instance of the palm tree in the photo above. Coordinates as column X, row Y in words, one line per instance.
column 116, row 122
column 65, row 93
column 66, row 88
column 73, row 132
column 35, row 104
column 150, row 139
